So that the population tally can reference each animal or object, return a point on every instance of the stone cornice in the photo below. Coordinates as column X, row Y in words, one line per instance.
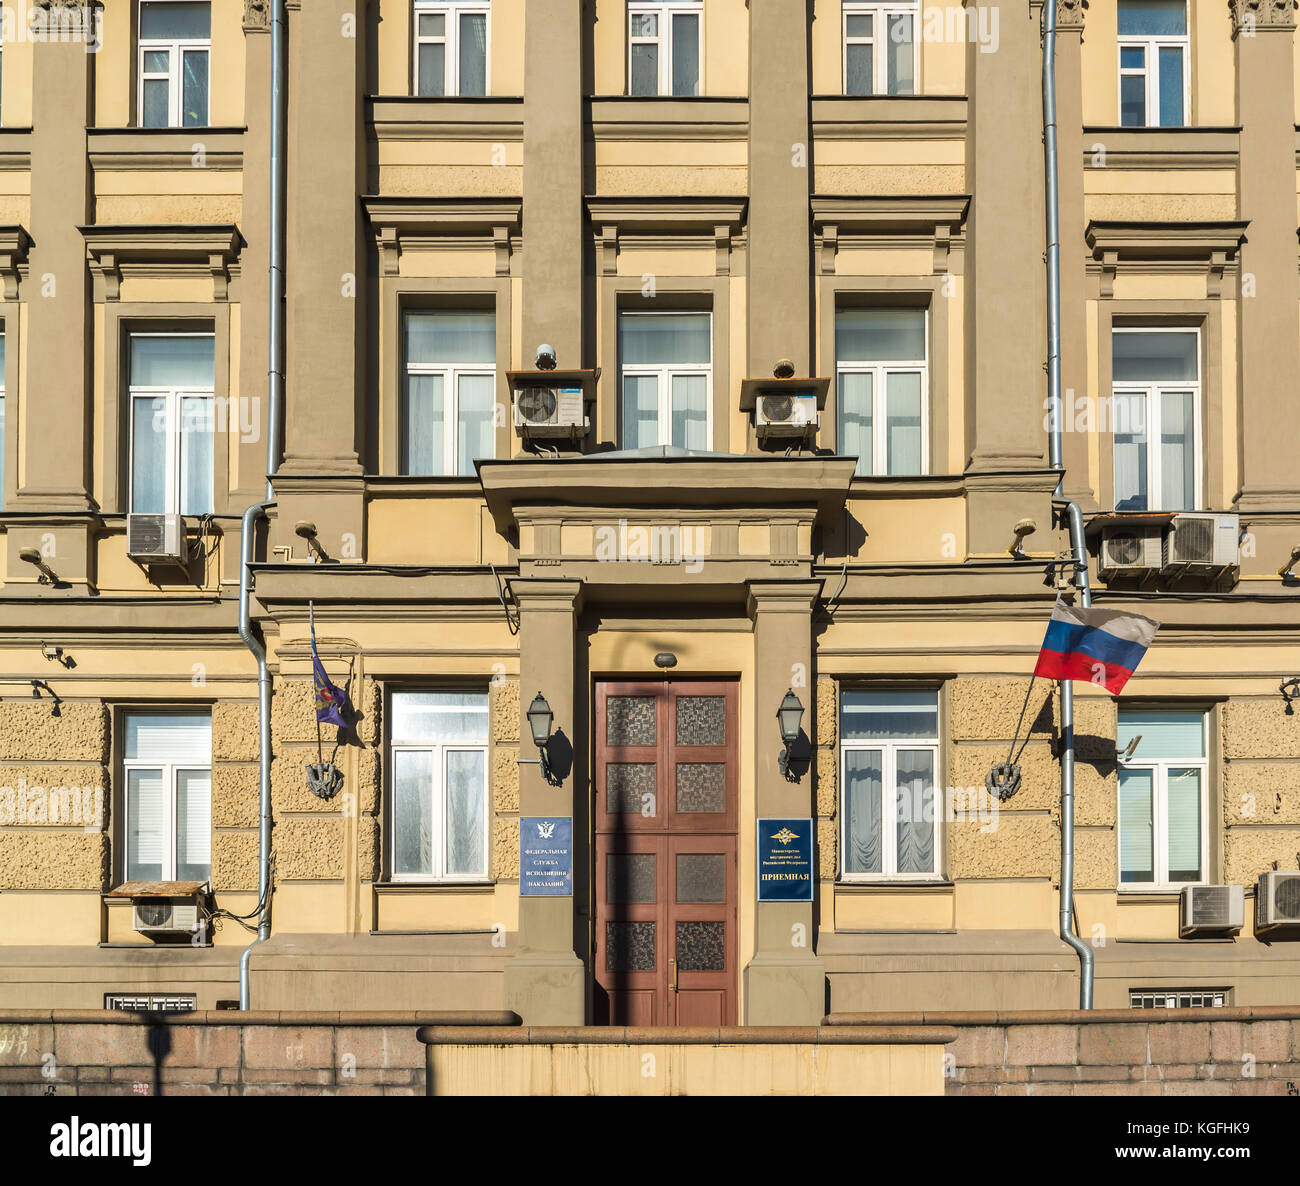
column 174, row 248
column 399, row 222
column 1208, row 248
column 1252, row 16
column 14, row 242
column 931, row 221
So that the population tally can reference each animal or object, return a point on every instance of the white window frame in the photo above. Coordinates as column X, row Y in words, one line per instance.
column 438, row 842
column 1160, row 768
column 879, row 41
column 664, row 11
column 664, row 376
column 451, row 373
column 175, row 75
column 1150, row 72
column 452, row 11
column 879, row 372
column 1151, row 393
column 889, row 814
column 172, row 398
column 170, row 771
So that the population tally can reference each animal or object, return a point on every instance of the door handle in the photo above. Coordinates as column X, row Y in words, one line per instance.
column 672, row 975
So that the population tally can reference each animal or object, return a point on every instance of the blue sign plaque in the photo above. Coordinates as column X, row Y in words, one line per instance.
column 785, row 860
column 545, row 856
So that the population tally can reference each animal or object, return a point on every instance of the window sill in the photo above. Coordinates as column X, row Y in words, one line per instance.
column 1154, row 894
column 435, row 887
column 908, row 885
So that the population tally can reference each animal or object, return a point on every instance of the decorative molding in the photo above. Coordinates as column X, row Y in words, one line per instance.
column 667, row 222
column 1070, row 14
column 401, row 223
column 14, row 243
column 257, row 16
column 1249, row 16
column 1210, row 249
column 161, row 251
column 928, row 220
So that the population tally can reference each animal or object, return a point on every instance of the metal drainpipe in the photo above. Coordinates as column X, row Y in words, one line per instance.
column 275, row 390
column 1078, row 555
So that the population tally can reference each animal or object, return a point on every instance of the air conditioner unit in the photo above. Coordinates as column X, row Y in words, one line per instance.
column 1203, row 541
column 1211, row 910
column 1277, row 904
column 164, row 918
column 550, row 412
column 1127, row 550
column 156, row 538
column 782, row 414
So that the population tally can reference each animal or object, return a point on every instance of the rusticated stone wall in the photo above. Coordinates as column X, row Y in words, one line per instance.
column 503, row 700
column 55, row 800
column 1261, row 787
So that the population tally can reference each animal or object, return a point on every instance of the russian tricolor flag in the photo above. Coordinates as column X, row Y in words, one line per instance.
column 1097, row 646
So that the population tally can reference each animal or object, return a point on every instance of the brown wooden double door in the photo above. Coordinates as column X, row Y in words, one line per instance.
column 665, row 887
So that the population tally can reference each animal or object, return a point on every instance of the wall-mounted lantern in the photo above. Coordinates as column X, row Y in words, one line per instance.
column 540, row 718
column 788, row 716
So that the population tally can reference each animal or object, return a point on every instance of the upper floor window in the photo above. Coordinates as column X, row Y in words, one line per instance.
column 175, row 45
column 1162, row 797
column 438, row 748
column 889, row 767
column 880, row 48
column 171, row 390
column 666, row 379
column 1153, row 56
column 167, row 775
column 451, row 48
column 449, row 389
column 664, row 48
column 1155, row 415
column 881, row 389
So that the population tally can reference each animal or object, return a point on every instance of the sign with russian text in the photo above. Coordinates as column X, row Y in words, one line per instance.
column 545, row 856
column 785, row 860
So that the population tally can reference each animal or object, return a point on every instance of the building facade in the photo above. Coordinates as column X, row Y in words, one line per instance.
column 723, row 218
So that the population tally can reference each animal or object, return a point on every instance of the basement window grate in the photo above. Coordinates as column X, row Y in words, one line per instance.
column 150, row 1002
column 1177, row 998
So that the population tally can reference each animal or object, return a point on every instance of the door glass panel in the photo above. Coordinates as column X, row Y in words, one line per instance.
column 701, row 720
column 630, row 877
column 627, row 785
column 701, row 946
column 701, row 877
column 630, row 720
column 701, row 786
column 630, row 946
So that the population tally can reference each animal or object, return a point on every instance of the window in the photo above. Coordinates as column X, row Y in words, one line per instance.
column 1177, row 998
column 664, row 48
column 880, row 360
column 666, row 379
column 880, row 49
column 450, row 384
column 1162, row 798
column 167, row 773
column 175, row 44
column 439, row 786
column 172, row 422
column 889, row 740
column 1153, row 63
column 1156, row 397
column 451, row 48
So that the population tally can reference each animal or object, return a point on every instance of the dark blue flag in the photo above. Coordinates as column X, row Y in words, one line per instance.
column 331, row 701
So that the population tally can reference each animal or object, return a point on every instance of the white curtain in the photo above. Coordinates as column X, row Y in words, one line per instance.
column 1129, row 424
column 439, row 716
column 689, row 397
column 863, row 823
column 425, row 423
column 664, row 339
column 1177, row 450
column 474, row 420
column 854, row 402
column 915, row 810
column 640, row 411
column 196, row 413
column 903, row 422
column 172, row 360
column 466, row 799
column 413, row 812
column 451, row 337
column 880, row 335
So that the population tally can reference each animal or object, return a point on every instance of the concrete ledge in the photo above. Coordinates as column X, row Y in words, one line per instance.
column 748, row 1035
column 1066, row 1016
column 257, row 1017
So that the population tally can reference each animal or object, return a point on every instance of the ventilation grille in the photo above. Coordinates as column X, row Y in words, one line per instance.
column 1177, row 998
column 150, row 1002
column 1193, row 542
